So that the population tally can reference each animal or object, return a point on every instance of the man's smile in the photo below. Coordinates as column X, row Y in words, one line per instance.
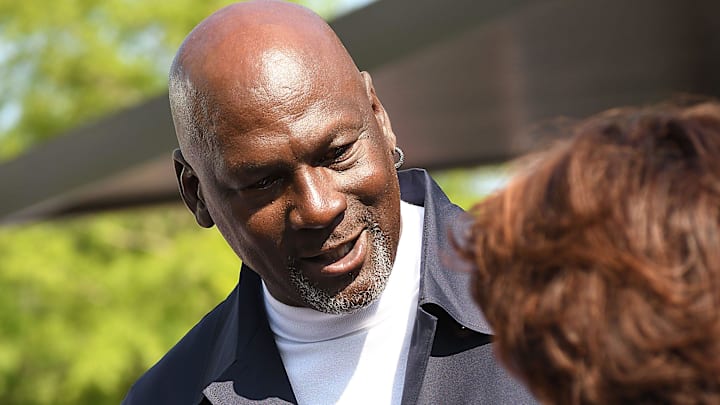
column 339, row 260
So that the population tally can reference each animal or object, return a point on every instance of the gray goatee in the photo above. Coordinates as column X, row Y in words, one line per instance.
column 371, row 282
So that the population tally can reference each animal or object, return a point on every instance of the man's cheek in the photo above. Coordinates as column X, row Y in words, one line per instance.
column 371, row 184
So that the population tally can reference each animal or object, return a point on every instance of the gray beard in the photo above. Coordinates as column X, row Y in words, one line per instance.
column 372, row 281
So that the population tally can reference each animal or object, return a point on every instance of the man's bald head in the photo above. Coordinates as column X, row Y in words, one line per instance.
column 257, row 55
column 288, row 151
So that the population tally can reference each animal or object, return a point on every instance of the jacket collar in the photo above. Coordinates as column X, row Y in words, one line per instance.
column 441, row 283
column 246, row 353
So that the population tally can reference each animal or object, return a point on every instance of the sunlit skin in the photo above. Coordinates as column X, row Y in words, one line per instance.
column 299, row 171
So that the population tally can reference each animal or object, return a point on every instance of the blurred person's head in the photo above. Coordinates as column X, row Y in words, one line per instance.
column 598, row 266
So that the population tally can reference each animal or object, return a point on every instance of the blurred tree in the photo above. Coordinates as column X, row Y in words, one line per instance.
column 467, row 186
column 67, row 62
column 88, row 304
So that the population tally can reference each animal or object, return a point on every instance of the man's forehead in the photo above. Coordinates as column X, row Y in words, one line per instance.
column 307, row 139
column 317, row 125
column 242, row 64
column 278, row 84
column 281, row 74
column 276, row 71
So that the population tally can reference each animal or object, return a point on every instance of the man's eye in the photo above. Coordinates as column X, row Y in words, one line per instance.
column 263, row 183
column 339, row 154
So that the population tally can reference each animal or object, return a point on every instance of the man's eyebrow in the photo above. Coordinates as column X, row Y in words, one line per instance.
column 251, row 169
column 343, row 127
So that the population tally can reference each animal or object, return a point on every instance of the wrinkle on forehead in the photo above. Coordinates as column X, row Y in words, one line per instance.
column 282, row 77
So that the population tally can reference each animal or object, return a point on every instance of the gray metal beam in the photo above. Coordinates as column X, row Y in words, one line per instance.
column 462, row 82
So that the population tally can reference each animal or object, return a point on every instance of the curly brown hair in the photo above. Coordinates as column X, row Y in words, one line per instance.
column 598, row 266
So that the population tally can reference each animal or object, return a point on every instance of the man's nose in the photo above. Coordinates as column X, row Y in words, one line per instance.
column 318, row 202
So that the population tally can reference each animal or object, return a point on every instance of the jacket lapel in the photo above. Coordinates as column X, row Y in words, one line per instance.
column 248, row 368
column 440, row 281
column 442, row 288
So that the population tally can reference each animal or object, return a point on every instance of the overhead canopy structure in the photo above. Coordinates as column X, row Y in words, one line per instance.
column 461, row 81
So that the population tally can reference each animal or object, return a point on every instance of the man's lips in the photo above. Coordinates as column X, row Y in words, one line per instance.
column 340, row 260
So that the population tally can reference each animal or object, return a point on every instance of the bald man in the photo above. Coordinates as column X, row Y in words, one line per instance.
column 343, row 297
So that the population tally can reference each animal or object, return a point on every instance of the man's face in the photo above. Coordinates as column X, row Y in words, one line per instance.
column 302, row 186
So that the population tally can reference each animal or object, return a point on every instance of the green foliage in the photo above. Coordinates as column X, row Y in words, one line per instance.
column 467, row 186
column 67, row 62
column 89, row 303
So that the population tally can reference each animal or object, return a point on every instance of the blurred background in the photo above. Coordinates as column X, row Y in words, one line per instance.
column 102, row 269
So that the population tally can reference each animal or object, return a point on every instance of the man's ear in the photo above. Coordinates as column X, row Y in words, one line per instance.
column 190, row 190
column 381, row 115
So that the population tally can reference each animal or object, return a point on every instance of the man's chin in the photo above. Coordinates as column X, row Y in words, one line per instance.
column 360, row 290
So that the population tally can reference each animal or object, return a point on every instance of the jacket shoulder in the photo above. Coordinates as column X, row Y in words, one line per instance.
column 180, row 375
